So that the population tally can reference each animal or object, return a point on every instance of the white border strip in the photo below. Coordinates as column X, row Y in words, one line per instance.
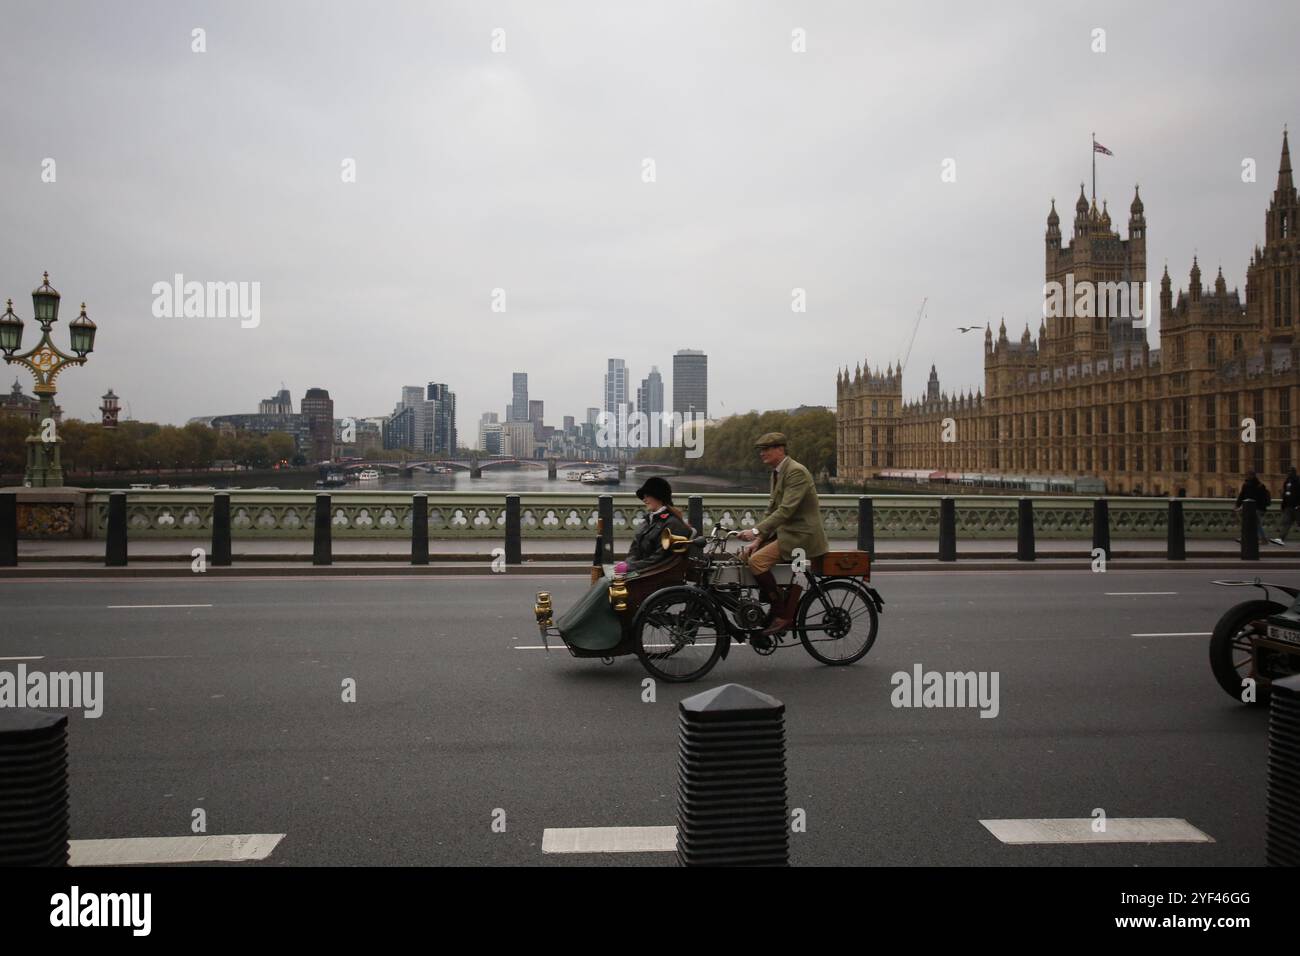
column 609, row 840
column 1175, row 634
column 1080, row 830
column 137, row 851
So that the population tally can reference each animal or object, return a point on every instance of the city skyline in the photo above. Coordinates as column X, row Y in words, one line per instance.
column 747, row 204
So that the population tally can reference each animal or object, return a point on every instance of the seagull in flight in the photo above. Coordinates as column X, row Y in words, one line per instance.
column 967, row 328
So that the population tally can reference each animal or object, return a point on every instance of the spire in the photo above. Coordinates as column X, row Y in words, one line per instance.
column 1194, row 286
column 1220, row 284
column 1053, row 220
column 1081, row 207
column 1136, row 208
column 1002, row 330
column 1284, row 184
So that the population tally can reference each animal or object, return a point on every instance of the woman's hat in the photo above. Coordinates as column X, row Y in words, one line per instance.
column 656, row 487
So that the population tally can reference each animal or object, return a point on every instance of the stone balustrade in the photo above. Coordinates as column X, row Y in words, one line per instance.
column 361, row 514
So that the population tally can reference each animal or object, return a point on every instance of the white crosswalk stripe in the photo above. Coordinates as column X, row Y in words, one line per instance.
column 140, row 851
column 1081, row 830
column 609, row 840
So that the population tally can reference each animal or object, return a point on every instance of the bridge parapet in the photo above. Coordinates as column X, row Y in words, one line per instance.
column 378, row 514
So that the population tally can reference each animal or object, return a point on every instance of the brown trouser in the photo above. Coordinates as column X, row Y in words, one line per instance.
column 765, row 557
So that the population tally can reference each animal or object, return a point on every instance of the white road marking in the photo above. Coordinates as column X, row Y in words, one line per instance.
column 1079, row 830
column 122, row 607
column 132, row 657
column 22, row 658
column 537, row 647
column 1136, row 593
column 1174, row 634
column 136, row 851
column 609, row 840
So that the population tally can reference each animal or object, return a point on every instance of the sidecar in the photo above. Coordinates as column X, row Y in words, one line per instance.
column 600, row 624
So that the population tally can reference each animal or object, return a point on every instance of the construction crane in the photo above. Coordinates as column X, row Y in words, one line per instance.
column 915, row 326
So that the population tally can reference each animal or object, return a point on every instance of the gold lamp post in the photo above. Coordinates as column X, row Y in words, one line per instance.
column 45, row 362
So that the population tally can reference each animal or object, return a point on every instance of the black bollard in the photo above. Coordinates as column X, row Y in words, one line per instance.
column 33, row 788
column 419, row 529
column 605, row 511
column 1249, row 531
column 115, row 546
column 322, row 552
column 9, row 530
column 221, row 530
column 731, row 788
column 1101, row 526
column 695, row 513
column 1025, row 530
column 1282, row 829
column 514, row 536
column 866, row 526
column 947, row 529
column 1175, row 541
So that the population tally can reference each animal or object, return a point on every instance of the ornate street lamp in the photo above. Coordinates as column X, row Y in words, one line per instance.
column 45, row 362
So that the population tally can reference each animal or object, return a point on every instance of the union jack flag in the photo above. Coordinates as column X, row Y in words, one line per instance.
column 1098, row 148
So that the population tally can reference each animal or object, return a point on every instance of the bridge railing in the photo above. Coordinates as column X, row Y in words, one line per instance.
column 379, row 514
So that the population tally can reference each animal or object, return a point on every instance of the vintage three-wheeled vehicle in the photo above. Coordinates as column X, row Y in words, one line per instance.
column 1256, row 642
column 681, row 615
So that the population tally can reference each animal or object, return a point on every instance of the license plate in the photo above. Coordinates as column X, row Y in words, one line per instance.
column 1284, row 634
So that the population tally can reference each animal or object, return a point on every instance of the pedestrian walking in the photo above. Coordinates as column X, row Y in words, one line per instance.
column 1290, row 500
column 1255, row 490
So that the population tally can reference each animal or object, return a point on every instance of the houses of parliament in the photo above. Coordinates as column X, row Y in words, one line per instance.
column 1090, row 398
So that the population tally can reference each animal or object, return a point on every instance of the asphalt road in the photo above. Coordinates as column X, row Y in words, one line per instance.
column 236, row 708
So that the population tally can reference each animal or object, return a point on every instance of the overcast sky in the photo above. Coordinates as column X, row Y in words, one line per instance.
column 523, row 170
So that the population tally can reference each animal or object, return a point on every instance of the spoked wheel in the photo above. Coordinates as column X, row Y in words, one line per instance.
column 1231, row 650
column 677, row 637
column 843, row 632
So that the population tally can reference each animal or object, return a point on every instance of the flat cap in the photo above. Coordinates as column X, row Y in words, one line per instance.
column 771, row 440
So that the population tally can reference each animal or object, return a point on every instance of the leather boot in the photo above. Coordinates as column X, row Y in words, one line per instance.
column 782, row 621
column 770, row 592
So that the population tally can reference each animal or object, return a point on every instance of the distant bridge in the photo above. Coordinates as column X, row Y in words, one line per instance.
column 486, row 462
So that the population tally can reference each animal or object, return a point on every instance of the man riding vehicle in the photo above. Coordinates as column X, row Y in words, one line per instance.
column 793, row 520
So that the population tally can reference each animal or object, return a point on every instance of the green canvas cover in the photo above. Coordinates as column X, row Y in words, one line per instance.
column 591, row 624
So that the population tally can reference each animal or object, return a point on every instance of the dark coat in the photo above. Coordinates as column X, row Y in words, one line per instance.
column 1291, row 492
column 646, row 550
column 1256, row 492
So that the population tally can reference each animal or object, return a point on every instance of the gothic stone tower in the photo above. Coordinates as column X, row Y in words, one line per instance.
column 869, row 406
column 1096, row 254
